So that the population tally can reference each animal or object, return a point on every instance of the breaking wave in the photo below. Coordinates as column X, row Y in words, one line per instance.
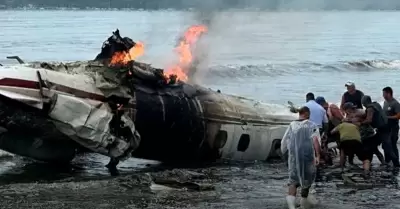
column 236, row 71
column 378, row 64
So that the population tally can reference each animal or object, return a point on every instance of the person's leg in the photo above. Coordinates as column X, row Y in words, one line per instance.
column 379, row 155
column 307, row 200
column 387, row 147
column 342, row 158
column 366, row 165
column 345, row 147
column 324, row 149
column 363, row 155
column 305, row 192
column 291, row 197
column 351, row 159
column 394, row 137
column 367, row 159
column 292, row 190
column 366, row 155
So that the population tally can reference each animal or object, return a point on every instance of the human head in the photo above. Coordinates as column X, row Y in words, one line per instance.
column 366, row 100
column 304, row 113
column 387, row 93
column 321, row 101
column 351, row 87
column 349, row 107
column 310, row 96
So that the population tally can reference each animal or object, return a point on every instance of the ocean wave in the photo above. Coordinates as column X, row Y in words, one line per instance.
column 377, row 64
column 281, row 69
column 270, row 70
column 244, row 70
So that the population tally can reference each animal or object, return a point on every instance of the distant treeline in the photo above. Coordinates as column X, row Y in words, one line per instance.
column 208, row 4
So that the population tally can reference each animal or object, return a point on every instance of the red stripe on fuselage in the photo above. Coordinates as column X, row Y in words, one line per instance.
column 35, row 85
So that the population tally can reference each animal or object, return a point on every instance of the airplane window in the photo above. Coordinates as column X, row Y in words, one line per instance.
column 244, row 142
column 220, row 139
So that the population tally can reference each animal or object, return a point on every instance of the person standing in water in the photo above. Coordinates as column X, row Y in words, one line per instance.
column 302, row 143
column 392, row 108
column 352, row 95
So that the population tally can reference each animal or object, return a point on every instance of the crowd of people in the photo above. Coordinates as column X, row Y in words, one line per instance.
column 356, row 131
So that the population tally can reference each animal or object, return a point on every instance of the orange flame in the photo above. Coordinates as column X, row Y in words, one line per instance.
column 124, row 57
column 184, row 51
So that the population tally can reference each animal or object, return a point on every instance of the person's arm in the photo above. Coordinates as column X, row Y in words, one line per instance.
column 362, row 94
column 370, row 114
column 335, row 130
column 325, row 123
column 285, row 138
column 335, row 112
column 396, row 108
column 347, row 119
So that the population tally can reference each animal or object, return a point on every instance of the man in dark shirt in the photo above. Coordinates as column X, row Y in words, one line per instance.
column 376, row 117
column 352, row 95
column 392, row 109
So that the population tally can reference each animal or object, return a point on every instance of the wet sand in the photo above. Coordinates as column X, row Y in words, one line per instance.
column 226, row 185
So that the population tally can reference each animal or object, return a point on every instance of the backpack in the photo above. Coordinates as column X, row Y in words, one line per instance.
column 367, row 132
column 379, row 119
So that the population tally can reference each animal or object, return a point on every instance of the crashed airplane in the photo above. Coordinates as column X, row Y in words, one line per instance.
column 121, row 108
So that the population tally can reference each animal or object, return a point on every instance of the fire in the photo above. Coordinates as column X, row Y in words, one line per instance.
column 124, row 57
column 184, row 51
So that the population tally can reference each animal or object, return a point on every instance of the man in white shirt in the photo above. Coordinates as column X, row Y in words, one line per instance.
column 319, row 116
column 317, row 112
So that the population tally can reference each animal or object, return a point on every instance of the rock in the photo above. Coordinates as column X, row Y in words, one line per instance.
column 278, row 177
column 187, row 185
column 386, row 174
column 373, row 197
column 353, row 191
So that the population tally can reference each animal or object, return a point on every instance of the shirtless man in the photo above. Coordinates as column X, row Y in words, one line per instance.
column 335, row 116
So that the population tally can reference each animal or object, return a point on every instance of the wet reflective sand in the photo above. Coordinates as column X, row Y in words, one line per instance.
column 144, row 184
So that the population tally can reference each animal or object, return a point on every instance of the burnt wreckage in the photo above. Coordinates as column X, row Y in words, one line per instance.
column 49, row 110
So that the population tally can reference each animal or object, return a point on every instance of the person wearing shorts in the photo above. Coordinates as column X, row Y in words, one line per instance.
column 350, row 144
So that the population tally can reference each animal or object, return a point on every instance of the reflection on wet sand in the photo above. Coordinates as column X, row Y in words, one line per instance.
column 145, row 184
